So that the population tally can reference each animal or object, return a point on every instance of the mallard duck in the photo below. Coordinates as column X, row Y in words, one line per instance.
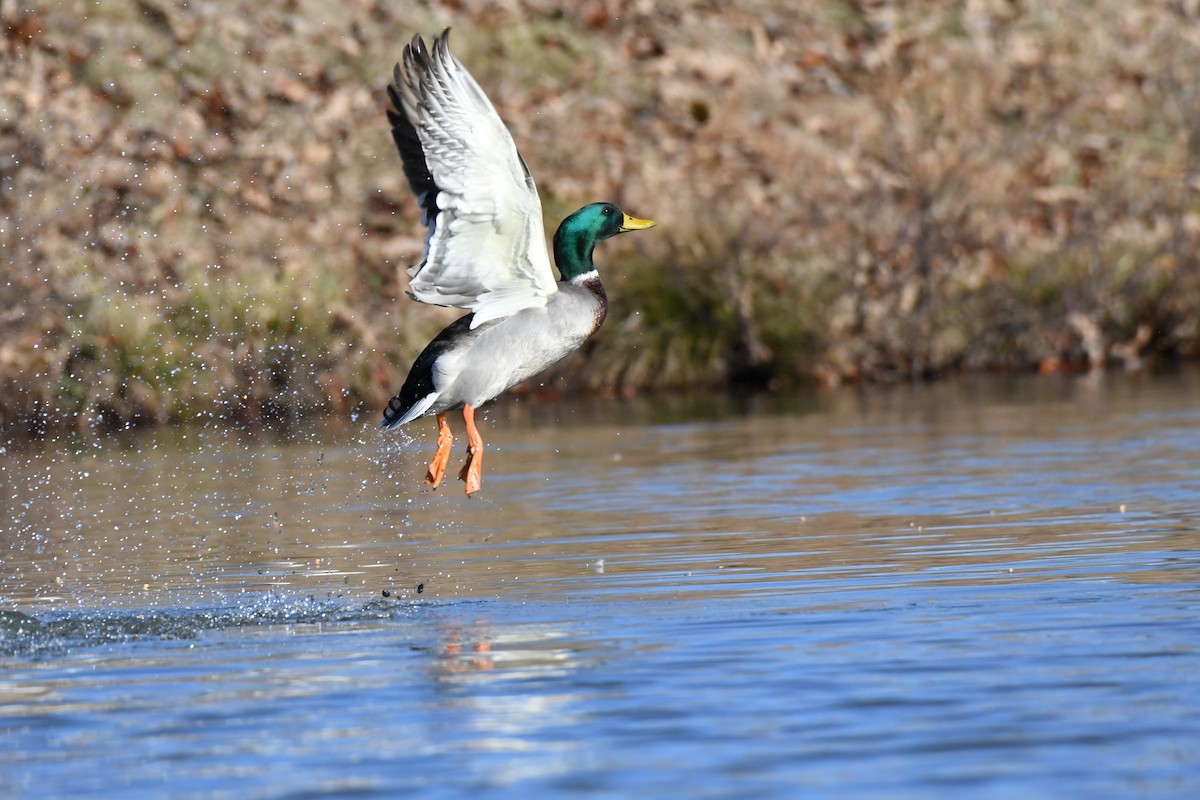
column 485, row 251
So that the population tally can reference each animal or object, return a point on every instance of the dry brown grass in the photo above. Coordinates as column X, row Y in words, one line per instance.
column 201, row 212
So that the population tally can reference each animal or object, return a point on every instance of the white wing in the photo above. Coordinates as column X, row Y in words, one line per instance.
column 486, row 248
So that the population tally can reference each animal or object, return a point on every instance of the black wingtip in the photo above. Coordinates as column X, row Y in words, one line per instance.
column 442, row 43
column 419, row 50
column 415, row 63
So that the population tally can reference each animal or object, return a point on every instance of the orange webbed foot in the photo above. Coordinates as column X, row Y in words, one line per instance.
column 437, row 467
column 472, row 471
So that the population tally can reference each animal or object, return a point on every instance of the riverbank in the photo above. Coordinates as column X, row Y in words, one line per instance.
column 202, row 213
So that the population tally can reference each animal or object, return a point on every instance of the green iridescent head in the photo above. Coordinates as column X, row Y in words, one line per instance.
column 578, row 234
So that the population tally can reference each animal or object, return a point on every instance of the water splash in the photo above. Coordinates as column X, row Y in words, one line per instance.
column 55, row 633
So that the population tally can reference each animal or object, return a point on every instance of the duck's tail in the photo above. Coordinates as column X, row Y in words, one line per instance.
column 401, row 410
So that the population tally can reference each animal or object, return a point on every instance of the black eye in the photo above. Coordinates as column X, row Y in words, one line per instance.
column 607, row 211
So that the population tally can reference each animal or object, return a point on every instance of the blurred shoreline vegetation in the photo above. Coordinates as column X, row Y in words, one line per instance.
column 201, row 213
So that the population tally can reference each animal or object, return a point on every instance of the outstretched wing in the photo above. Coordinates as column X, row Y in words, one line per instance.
column 485, row 249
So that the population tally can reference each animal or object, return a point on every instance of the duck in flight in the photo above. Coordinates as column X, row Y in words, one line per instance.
column 485, row 251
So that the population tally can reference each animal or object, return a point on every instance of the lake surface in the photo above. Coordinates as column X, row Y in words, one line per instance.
column 984, row 588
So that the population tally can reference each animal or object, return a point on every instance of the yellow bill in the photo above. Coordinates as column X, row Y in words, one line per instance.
column 635, row 224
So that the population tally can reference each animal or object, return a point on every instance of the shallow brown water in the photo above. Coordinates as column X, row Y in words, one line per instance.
column 985, row 586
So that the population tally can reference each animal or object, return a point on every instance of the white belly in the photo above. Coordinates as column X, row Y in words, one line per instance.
column 515, row 349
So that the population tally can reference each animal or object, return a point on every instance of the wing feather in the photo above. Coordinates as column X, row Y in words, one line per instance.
column 485, row 247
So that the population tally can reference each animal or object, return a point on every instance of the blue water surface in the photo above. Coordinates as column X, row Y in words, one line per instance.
column 984, row 590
